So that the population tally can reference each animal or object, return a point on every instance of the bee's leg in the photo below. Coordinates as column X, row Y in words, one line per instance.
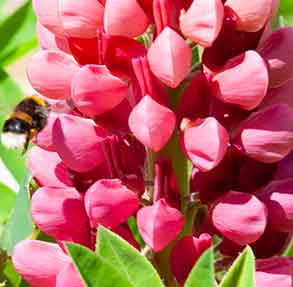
column 25, row 147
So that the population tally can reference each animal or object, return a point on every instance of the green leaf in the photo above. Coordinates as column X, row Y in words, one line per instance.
column 7, row 202
column 203, row 273
column 242, row 272
column 10, row 95
column 134, row 230
column 126, row 259
column 20, row 225
column 17, row 34
column 94, row 269
column 289, row 250
column 285, row 13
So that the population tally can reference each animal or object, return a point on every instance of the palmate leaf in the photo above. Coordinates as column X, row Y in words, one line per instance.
column 126, row 259
column 7, row 202
column 242, row 272
column 203, row 273
column 17, row 34
column 9, row 275
column 285, row 14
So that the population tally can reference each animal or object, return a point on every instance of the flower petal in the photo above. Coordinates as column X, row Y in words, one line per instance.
column 96, row 91
column 151, row 123
column 110, row 203
column 69, row 277
column 277, row 51
column 55, row 173
column 159, row 224
column 60, row 212
column 48, row 14
column 277, row 271
column 240, row 217
column 78, row 142
column 124, row 20
column 50, row 73
column 278, row 197
column 170, row 57
column 39, row 262
column 202, row 133
column 185, row 254
column 267, row 135
column 81, row 19
column 251, row 16
column 230, row 84
column 203, row 21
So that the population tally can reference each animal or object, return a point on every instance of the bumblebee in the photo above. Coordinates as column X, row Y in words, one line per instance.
column 27, row 119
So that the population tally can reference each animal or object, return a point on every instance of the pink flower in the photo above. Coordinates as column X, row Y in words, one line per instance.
column 185, row 254
column 31, row 256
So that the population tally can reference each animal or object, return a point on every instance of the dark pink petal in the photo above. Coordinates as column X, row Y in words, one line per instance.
column 251, row 16
column 277, row 51
column 240, row 217
column 81, row 19
column 124, row 20
column 124, row 232
column 279, row 95
column 278, row 197
column 60, row 212
column 203, row 21
column 50, row 73
column 201, row 134
column 277, row 271
column 267, row 135
column 48, row 14
column 185, row 254
column 96, row 91
column 159, row 224
column 47, row 168
column 38, row 262
column 230, row 84
column 43, row 139
column 78, row 142
column 285, row 168
column 170, row 57
column 110, row 203
column 151, row 123
column 69, row 277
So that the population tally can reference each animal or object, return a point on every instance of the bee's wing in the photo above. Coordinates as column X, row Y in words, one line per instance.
column 5, row 109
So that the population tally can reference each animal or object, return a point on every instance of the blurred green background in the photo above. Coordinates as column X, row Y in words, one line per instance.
column 17, row 43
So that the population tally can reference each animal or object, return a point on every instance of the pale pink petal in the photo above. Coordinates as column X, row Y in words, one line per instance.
column 274, row 272
column 69, row 277
column 110, row 203
column 47, row 168
column 251, row 15
column 279, row 95
column 277, row 51
column 151, row 123
column 96, row 91
column 240, row 217
column 48, row 41
column 203, row 21
column 267, row 135
column 124, row 20
column 39, row 262
column 78, row 142
column 81, row 19
column 230, row 85
column 50, row 73
column 44, row 138
column 60, row 212
column 159, row 224
column 170, row 57
column 185, row 254
column 205, row 143
column 48, row 14
column 278, row 197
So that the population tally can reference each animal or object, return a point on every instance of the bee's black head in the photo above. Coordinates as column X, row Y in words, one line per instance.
column 17, row 126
